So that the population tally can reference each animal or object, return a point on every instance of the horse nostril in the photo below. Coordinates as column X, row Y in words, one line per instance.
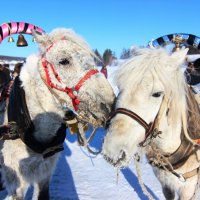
column 106, row 109
column 103, row 106
column 122, row 155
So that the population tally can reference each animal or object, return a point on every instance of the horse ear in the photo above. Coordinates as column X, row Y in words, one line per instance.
column 42, row 39
column 180, row 56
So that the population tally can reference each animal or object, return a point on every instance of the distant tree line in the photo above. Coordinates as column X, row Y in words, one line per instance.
column 126, row 53
column 106, row 59
column 98, row 59
column 109, row 55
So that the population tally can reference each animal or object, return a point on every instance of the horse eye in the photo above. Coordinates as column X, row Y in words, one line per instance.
column 64, row 62
column 157, row 94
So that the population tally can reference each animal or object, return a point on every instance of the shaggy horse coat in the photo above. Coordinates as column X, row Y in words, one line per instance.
column 65, row 55
column 154, row 93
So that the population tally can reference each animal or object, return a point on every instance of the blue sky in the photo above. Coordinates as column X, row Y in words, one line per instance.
column 113, row 24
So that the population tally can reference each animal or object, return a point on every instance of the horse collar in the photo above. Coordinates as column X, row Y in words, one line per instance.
column 72, row 92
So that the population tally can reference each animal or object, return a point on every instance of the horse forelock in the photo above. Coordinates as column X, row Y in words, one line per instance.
column 73, row 39
column 158, row 61
column 133, row 70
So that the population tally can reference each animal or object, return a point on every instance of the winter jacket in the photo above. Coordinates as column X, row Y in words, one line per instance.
column 192, row 77
column 104, row 71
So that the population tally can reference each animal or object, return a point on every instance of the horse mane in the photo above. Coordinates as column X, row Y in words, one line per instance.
column 159, row 62
column 73, row 38
column 30, row 70
column 193, row 117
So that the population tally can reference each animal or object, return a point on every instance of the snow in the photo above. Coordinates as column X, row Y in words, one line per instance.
column 81, row 176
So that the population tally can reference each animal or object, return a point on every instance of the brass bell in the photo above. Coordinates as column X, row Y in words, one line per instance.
column 10, row 39
column 21, row 42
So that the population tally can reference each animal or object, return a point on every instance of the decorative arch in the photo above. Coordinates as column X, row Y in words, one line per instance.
column 189, row 40
column 7, row 29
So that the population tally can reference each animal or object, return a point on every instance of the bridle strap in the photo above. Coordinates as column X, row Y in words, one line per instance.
column 148, row 127
column 134, row 116
column 86, row 77
column 72, row 92
column 69, row 91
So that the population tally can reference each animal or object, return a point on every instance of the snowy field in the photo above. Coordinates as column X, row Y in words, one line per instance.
column 81, row 176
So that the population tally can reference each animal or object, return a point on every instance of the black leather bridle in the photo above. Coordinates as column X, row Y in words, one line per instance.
column 148, row 127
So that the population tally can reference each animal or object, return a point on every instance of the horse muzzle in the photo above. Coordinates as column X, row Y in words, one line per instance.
column 118, row 162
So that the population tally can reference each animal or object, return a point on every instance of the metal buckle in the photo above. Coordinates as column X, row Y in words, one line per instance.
column 180, row 176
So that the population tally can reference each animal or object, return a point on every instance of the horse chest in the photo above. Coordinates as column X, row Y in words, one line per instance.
column 32, row 165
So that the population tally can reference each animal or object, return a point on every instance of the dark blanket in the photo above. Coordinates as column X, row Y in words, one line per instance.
column 17, row 108
column 18, row 112
column 192, row 77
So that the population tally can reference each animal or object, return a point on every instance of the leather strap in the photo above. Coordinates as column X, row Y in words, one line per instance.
column 191, row 173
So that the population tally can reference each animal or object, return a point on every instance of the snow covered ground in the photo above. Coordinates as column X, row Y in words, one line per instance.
column 81, row 176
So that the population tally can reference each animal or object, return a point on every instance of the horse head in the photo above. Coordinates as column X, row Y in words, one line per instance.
column 66, row 66
column 152, row 92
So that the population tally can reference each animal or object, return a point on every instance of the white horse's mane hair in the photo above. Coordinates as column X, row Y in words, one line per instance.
column 68, row 34
column 56, row 35
column 159, row 62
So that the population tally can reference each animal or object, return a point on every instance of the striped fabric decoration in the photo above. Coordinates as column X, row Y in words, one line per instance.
column 189, row 39
column 7, row 29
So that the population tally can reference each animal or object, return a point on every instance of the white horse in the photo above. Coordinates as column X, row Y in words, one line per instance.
column 61, row 79
column 155, row 110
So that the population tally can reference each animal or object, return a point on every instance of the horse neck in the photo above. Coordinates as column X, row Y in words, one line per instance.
column 40, row 98
column 45, row 112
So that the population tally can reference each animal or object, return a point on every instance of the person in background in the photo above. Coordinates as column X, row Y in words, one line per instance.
column 17, row 69
column 192, row 72
column 5, row 76
column 104, row 71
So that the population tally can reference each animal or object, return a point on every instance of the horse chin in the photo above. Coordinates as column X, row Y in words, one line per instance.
column 121, row 161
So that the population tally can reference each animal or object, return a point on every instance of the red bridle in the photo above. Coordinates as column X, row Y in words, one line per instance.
column 72, row 92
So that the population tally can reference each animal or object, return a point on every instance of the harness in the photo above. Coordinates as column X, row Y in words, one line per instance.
column 21, row 126
column 172, row 161
column 148, row 127
column 72, row 92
